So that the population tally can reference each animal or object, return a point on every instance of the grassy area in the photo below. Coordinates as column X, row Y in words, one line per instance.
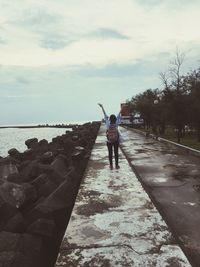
column 190, row 138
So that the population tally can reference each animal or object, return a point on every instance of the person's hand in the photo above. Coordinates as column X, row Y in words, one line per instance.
column 100, row 105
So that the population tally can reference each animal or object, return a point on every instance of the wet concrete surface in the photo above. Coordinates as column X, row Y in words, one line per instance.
column 114, row 222
column 171, row 176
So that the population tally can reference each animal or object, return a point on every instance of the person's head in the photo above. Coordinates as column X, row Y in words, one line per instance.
column 113, row 119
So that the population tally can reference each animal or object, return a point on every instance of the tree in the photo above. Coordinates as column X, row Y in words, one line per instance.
column 166, row 100
column 192, row 85
column 176, row 93
column 175, row 70
column 144, row 104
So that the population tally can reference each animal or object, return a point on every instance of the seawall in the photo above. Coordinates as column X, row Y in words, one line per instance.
column 38, row 189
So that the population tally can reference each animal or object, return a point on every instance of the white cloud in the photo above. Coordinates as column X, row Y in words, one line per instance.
column 28, row 96
column 55, row 54
column 50, row 32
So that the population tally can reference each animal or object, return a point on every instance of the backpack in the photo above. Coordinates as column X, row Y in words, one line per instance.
column 112, row 134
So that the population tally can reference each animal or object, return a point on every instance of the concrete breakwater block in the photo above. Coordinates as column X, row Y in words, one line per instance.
column 7, row 168
column 38, row 188
column 21, row 250
column 17, row 195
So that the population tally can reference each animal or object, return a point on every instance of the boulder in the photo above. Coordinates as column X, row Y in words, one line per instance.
column 84, row 143
column 64, row 195
column 17, row 195
column 67, row 132
column 75, row 137
column 7, row 168
column 32, row 143
column 47, row 157
column 30, row 194
column 79, row 159
column 58, row 205
column 13, row 152
column 12, row 194
column 44, row 185
column 43, row 145
column 58, row 151
column 54, row 147
column 60, row 164
column 29, row 170
column 14, row 178
column 14, row 259
column 15, row 224
column 75, row 127
column 78, row 153
column 28, row 154
column 58, row 141
column 11, row 218
column 53, row 175
column 42, row 227
column 7, row 160
column 22, row 250
column 23, row 164
column 39, row 181
column 47, row 188
column 39, row 195
column 68, row 146
column 87, row 124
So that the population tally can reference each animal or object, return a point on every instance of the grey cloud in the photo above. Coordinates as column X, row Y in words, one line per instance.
column 107, row 33
column 169, row 3
column 38, row 19
column 2, row 41
column 22, row 80
column 47, row 26
column 21, row 96
column 148, row 2
column 53, row 41
column 140, row 68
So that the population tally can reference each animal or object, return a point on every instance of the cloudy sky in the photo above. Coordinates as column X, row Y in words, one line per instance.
column 58, row 59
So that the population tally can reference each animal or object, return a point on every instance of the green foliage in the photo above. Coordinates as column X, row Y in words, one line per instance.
column 178, row 104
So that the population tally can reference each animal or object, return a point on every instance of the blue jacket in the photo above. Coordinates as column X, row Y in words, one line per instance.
column 107, row 121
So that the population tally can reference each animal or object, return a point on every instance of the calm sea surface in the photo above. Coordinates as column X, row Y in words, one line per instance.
column 15, row 138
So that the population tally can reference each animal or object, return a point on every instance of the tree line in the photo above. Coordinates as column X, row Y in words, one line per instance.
column 177, row 104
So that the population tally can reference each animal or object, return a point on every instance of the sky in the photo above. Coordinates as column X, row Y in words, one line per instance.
column 58, row 59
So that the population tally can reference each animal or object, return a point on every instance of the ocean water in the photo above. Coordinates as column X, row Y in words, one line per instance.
column 15, row 138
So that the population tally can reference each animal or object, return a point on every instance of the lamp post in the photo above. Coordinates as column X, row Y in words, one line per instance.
column 156, row 113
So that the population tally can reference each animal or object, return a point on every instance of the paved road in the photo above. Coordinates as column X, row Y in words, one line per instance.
column 172, row 178
column 114, row 223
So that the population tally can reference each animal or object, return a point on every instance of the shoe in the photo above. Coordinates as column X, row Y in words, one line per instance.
column 111, row 167
column 117, row 167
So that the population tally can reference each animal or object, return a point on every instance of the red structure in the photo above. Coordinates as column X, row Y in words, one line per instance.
column 125, row 114
column 125, row 111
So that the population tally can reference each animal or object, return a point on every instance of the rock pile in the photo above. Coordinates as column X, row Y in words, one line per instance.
column 37, row 192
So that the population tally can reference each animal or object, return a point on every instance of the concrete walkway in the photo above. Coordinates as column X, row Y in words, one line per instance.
column 114, row 223
column 171, row 176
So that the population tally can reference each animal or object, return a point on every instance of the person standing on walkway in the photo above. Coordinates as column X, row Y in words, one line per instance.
column 113, row 136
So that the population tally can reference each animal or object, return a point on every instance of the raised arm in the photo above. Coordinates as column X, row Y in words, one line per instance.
column 119, row 117
column 119, row 114
column 101, row 106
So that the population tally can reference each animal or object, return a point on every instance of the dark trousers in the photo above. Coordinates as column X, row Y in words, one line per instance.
column 110, row 146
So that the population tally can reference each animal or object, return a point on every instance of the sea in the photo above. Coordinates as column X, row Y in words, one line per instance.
column 16, row 137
